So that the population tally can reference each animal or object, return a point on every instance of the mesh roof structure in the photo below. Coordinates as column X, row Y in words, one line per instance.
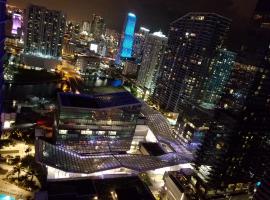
column 61, row 158
column 72, row 157
column 162, row 130
column 88, row 146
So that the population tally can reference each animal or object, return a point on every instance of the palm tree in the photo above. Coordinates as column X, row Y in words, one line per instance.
column 31, row 173
column 17, row 169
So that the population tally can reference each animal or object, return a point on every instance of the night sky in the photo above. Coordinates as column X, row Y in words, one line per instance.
column 153, row 14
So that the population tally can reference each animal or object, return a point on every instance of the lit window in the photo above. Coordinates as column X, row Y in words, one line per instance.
column 86, row 132
column 62, row 132
column 112, row 132
column 100, row 132
column 218, row 146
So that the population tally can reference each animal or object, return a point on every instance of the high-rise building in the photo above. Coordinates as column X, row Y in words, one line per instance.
column 261, row 17
column 154, row 47
column 247, row 99
column 238, row 138
column 2, row 52
column 16, row 23
column 112, row 38
column 126, row 46
column 44, row 31
column 130, row 69
column 85, row 27
column 97, row 27
column 238, row 86
column 139, row 43
column 193, row 124
column 192, row 42
column 220, row 71
column 97, row 120
column 261, row 42
column 259, row 30
column 69, row 29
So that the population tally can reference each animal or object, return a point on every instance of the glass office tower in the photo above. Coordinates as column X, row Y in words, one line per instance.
column 97, row 121
column 2, row 38
column 192, row 43
column 128, row 36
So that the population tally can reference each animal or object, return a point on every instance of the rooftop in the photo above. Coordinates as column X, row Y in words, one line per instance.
column 98, row 101
column 69, row 161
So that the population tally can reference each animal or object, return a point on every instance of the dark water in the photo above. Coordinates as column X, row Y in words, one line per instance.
column 50, row 89
column 102, row 82
column 21, row 91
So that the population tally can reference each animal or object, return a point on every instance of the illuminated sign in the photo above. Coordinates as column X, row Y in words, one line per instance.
column 128, row 39
column 16, row 23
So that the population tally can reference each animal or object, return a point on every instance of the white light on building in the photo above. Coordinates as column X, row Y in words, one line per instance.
column 94, row 47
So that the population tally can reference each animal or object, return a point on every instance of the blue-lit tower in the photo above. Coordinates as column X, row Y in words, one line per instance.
column 126, row 45
column 2, row 38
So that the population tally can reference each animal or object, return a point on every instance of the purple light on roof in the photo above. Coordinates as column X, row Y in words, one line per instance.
column 16, row 23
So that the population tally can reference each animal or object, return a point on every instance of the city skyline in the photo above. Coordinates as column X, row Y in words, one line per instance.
column 169, row 102
column 150, row 12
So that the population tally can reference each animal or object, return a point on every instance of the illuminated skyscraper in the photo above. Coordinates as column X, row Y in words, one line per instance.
column 2, row 39
column 220, row 68
column 192, row 43
column 234, row 153
column 16, row 23
column 128, row 36
column 86, row 27
column 97, row 27
column 154, row 47
column 44, row 31
column 139, row 44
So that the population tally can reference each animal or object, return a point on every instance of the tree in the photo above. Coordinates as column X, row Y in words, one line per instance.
column 28, row 150
column 33, row 169
column 17, row 170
